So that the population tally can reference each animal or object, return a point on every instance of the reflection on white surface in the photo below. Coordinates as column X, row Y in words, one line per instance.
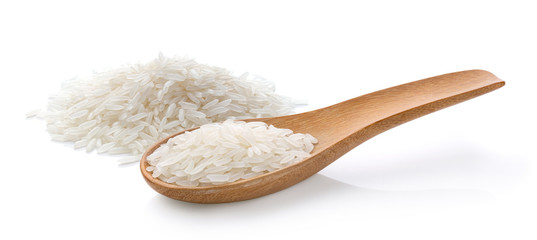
column 315, row 190
column 445, row 164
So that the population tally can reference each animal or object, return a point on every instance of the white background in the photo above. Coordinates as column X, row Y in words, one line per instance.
column 466, row 172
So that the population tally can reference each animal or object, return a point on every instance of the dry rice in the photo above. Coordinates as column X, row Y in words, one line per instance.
column 128, row 109
column 219, row 153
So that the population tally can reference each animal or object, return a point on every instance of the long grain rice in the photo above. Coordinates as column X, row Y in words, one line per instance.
column 143, row 103
column 218, row 153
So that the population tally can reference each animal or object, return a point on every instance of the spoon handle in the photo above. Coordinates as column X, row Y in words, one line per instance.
column 412, row 100
column 352, row 122
column 366, row 116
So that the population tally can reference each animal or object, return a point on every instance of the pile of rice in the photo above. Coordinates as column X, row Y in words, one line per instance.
column 128, row 109
column 225, row 152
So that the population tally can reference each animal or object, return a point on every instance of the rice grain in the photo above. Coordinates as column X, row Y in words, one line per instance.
column 214, row 153
column 143, row 103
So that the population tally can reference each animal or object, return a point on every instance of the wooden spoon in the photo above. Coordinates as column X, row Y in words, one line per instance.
column 339, row 128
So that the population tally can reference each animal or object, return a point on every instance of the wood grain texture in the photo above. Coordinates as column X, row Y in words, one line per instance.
column 339, row 128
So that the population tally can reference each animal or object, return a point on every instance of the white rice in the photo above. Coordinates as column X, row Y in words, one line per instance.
column 128, row 109
column 219, row 153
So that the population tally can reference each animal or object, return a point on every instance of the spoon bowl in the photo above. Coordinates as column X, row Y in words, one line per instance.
column 339, row 128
